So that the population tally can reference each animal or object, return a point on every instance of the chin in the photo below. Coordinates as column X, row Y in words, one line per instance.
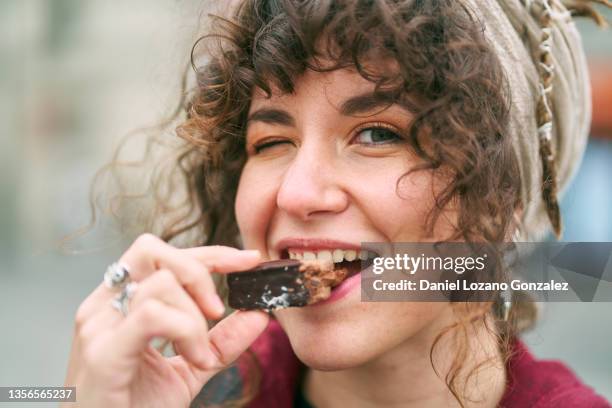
column 331, row 342
column 330, row 351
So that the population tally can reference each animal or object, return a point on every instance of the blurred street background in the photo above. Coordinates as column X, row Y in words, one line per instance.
column 75, row 76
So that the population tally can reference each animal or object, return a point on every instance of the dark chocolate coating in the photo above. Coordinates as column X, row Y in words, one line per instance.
column 271, row 285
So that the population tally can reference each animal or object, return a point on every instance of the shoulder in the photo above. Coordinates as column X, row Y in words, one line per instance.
column 545, row 384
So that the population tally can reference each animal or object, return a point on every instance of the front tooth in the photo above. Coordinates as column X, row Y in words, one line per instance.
column 309, row 256
column 338, row 255
column 363, row 255
column 298, row 256
column 324, row 256
column 350, row 255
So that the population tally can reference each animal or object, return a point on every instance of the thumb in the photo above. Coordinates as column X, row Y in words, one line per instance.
column 232, row 336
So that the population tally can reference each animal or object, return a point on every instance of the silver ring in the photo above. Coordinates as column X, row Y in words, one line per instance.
column 121, row 302
column 117, row 275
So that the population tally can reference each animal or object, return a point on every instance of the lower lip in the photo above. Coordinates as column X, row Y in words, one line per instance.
column 341, row 290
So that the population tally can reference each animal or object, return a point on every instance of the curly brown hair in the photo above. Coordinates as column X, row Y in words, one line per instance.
column 443, row 69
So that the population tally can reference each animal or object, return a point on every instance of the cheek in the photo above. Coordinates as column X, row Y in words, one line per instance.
column 254, row 206
column 398, row 209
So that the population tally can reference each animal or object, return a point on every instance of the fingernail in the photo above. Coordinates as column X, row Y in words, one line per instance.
column 218, row 305
column 252, row 252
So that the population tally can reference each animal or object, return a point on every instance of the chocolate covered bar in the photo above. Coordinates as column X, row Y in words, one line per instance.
column 283, row 283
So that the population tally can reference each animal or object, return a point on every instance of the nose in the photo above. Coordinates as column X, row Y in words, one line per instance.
column 310, row 186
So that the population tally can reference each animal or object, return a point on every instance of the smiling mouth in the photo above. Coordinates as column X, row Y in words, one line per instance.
column 353, row 261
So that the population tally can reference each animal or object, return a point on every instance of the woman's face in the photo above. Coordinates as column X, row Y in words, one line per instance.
column 321, row 175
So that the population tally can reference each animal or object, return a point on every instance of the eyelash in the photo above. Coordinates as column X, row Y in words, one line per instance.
column 268, row 143
column 370, row 126
column 378, row 126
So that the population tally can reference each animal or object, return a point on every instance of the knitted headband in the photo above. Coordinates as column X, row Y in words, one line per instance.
column 542, row 55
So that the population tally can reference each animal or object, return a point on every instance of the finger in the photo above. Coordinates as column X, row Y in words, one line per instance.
column 105, row 319
column 86, row 332
column 228, row 340
column 156, row 319
column 149, row 253
column 93, row 303
column 164, row 286
column 231, row 337
column 222, row 259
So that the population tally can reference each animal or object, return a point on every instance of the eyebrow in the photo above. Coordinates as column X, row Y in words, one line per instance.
column 272, row 116
column 356, row 105
column 366, row 103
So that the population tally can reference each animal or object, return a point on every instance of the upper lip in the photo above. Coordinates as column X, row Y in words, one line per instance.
column 314, row 244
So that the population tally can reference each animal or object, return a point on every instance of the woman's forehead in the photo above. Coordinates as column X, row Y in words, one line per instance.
column 336, row 87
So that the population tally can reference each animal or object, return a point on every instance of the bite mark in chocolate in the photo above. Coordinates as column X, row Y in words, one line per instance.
column 320, row 278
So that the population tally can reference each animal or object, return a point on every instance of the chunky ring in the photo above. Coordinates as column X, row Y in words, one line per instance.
column 116, row 275
column 121, row 302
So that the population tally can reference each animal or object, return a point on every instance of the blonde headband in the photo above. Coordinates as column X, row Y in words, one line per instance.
column 542, row 56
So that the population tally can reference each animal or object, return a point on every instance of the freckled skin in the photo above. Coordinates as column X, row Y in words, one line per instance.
column 318, row 180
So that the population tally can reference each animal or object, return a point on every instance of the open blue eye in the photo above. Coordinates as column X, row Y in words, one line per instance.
column 377, row 136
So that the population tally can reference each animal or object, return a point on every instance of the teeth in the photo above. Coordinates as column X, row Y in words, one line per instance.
column 324, row 256
column 309, row 256
column 338, row 255
column 335, row 255
column 350, row 255
column 295, row 255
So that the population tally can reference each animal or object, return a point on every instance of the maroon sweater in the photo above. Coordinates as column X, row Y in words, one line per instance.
column 531, row 383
